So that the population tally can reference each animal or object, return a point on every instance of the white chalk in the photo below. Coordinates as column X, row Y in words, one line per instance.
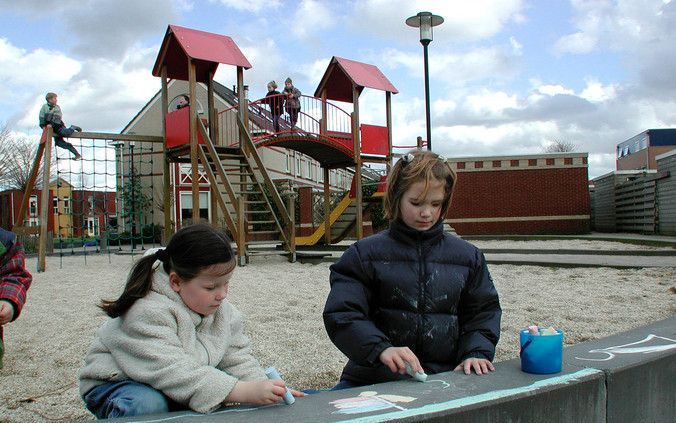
column 272, row 373
column 419, row 376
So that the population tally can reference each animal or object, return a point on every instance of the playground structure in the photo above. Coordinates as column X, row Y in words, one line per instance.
column 221, row 147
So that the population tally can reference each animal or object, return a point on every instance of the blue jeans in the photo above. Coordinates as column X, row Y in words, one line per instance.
column 127, row 398
column 60, row 132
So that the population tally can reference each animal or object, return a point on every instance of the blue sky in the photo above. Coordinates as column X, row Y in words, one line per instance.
column 506, row 77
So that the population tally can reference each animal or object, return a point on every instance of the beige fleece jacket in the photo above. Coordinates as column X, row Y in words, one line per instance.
column 159, row 341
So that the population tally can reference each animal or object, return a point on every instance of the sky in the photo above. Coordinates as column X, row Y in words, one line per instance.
column 507, row 77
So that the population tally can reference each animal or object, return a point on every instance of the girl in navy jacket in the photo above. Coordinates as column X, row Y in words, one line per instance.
column 413, row 295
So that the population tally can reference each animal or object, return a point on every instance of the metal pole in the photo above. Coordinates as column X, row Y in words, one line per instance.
column 427, row 96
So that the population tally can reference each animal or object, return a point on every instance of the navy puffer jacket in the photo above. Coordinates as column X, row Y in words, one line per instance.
column 429, row 291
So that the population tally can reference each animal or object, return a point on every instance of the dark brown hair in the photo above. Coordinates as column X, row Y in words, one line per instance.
column 190, row 250
column 417, row 166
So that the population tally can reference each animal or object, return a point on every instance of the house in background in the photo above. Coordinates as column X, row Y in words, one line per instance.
column 639, row 151
column 75, row 212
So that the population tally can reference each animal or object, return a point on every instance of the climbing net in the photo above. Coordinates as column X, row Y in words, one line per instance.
column 105, row 201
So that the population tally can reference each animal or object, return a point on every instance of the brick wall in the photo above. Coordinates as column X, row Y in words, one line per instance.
column 543, row 194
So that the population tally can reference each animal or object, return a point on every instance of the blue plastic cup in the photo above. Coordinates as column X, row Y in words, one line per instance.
column 541, row 354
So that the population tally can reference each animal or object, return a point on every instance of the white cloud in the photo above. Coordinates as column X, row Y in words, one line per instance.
column 254, row 6
column 463, row 20
column 554, row 89
column 309, row 20
column 597, row 92
column 578, row 43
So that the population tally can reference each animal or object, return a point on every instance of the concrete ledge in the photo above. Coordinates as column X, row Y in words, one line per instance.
column 629, row 377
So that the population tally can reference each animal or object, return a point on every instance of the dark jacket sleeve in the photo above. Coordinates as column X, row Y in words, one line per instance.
column 346, row 314
column 479, row 314
column 14, row 278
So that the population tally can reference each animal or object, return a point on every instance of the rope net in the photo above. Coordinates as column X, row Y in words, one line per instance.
column 104, row 202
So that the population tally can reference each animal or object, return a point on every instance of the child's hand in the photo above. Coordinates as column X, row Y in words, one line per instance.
column 258, row 392
column 6, row 312
column 481, row 366
column 395, row 358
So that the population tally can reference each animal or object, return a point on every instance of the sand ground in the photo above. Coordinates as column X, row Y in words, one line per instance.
column 283, row 304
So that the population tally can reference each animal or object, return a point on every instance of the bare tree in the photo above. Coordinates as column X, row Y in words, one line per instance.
column 559, row 146
column 17, row 154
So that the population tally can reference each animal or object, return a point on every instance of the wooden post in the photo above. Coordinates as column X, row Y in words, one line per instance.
column 388, row 117
column 213, row 134
column 359, row 230
column 166, row 172
column 46, row 138
column 241, row 233
column 292, row 228
column 192, row 70
column 323, row 128
column 240, row 97
column 327, row 206
column 46, row 207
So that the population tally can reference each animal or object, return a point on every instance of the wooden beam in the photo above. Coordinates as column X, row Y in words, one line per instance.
column 166, row 172
column 359, row 231
column 327, row 206
column 117, row 137
column 192, row 84
column 45, row 139
column 388, row 117
column 44, row 210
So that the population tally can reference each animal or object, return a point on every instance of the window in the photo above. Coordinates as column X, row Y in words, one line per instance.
column 66, row 205
column 186, row 205
column 320, row 175
column 55, row 204
column 33, row 206
column 288, row 162
column 309, row 169
column 297, row 165
column 92, row 226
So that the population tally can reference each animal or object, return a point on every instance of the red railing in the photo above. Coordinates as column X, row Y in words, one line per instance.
column 313, row 111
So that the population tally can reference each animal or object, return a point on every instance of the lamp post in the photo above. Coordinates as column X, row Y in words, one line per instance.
column 426, row 21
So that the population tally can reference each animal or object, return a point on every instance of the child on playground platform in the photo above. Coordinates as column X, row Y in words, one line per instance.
column 413, row 295
column 50, row 114
column 174, row 341
column 292, row 101
column 14, row 281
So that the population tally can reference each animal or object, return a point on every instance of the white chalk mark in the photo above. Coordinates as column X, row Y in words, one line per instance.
column 446, row 384
column 633, row 348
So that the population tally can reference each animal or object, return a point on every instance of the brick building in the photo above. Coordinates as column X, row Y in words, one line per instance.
column 639, row 151
column 530, row 194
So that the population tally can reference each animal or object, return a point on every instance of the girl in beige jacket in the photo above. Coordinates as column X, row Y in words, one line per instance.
column 173, row 341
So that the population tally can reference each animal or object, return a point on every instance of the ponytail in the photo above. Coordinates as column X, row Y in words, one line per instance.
column 189, row 251
column 138, row 285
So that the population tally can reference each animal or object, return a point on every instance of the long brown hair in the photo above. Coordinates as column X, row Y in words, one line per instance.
column 190, row 250
column 417, row 166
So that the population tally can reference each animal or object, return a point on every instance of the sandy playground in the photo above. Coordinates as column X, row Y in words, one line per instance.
column 283, row 304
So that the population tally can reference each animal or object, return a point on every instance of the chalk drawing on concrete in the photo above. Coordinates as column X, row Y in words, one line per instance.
column 369, row 401
column 443, row 382
column 651, row 344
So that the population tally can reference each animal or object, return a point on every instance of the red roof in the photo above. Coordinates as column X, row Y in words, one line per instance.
column 343, row 73
column 205, row 48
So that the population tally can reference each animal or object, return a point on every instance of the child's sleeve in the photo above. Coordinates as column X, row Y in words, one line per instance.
column 346, row 313
column 479, row 314
column 43, row 117
column 238, row 360
column 14, row 278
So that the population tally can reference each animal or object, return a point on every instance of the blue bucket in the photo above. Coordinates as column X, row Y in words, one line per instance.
column 541, row 354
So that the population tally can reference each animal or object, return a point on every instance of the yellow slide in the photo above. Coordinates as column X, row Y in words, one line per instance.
column 319, row 232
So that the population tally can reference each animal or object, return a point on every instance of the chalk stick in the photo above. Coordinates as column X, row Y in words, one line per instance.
column 272, row 373
column 419, row 376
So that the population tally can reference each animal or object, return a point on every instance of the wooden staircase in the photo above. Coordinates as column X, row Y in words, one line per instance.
column 248, row 201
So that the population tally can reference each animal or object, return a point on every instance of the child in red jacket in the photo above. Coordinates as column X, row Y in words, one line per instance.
column 14, row 281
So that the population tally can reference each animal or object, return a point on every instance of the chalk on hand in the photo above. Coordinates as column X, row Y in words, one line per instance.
column 272, row 373
column 419, row 376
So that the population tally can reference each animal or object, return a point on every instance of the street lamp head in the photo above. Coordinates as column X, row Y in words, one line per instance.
column 425, row 21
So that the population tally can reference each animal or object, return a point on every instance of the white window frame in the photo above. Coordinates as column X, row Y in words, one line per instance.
column 66, row 205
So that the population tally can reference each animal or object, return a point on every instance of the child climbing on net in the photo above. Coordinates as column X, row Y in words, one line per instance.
column 173, row 341
column 413, row 299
